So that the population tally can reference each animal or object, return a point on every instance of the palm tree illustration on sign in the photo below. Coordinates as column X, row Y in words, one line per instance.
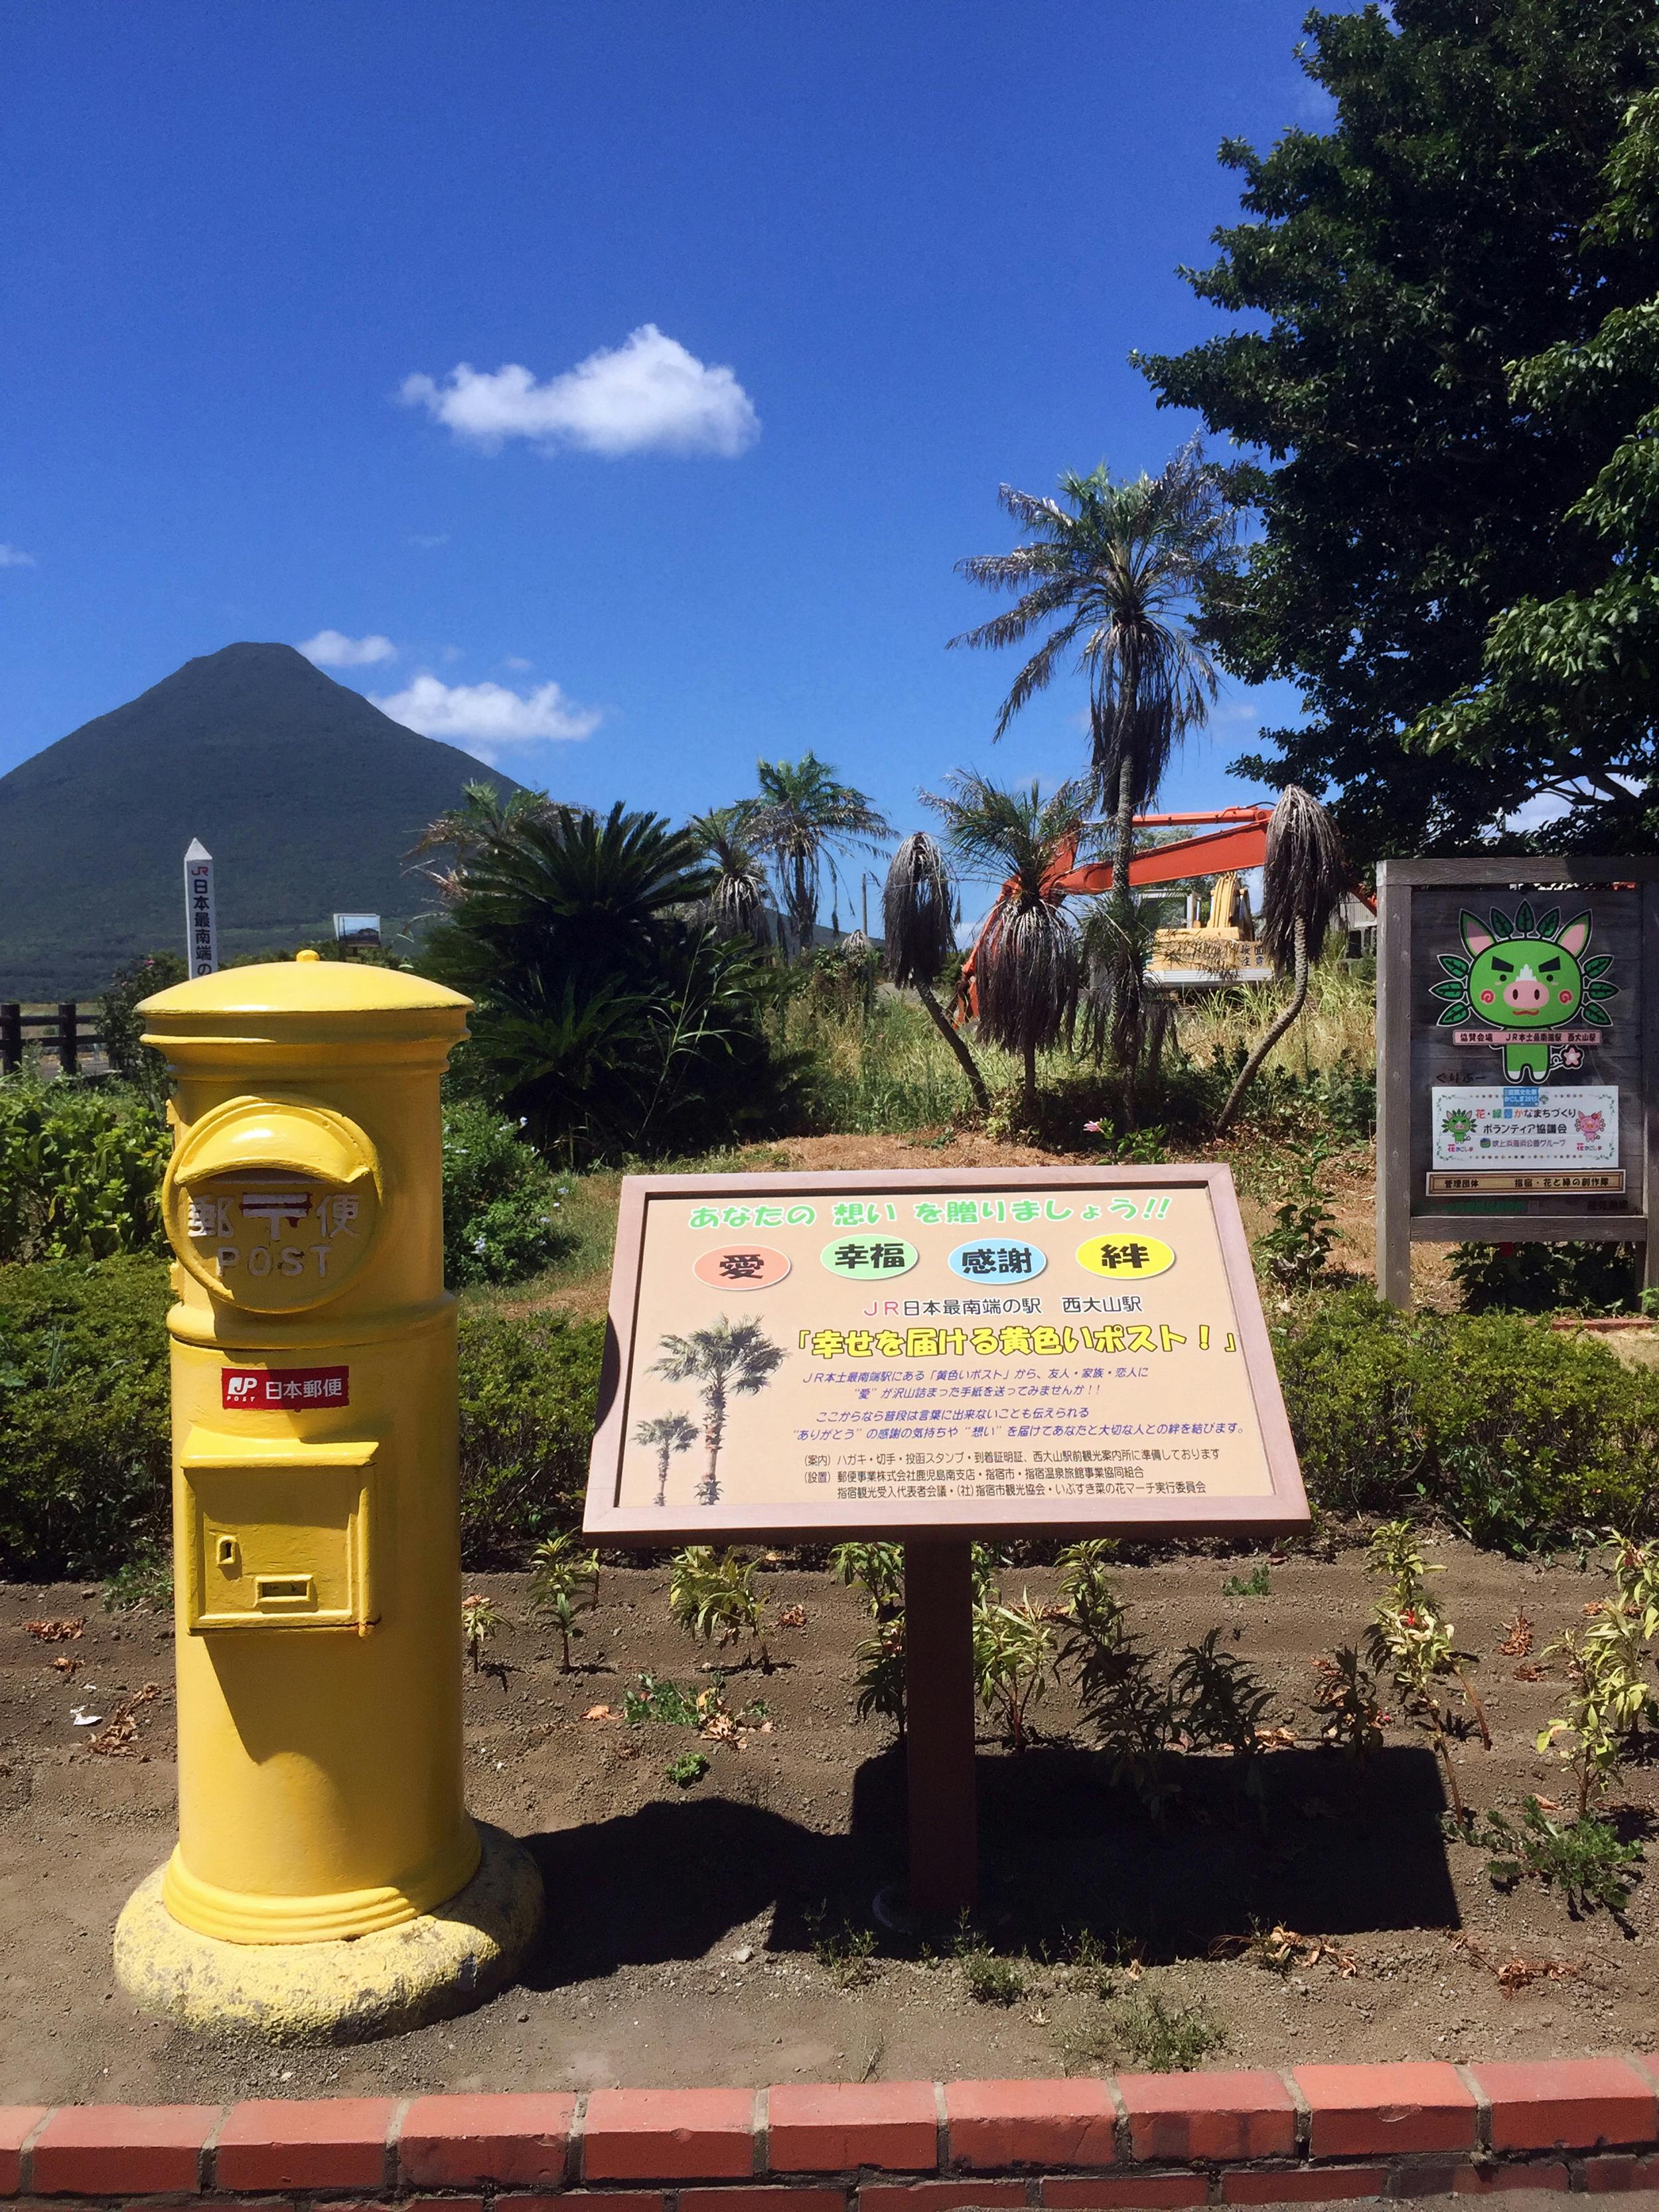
column 727, row 1358
column 667, row 1434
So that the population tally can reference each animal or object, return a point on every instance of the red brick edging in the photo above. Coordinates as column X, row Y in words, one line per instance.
column 1078, row 2145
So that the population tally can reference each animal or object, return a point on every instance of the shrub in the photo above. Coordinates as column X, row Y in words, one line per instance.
column 1546, row 1277
column 120, row 1026
column 80, row 1170
column 530, row 1388
column 1514, row 1433
column 501, row 1201
column 83, row 1416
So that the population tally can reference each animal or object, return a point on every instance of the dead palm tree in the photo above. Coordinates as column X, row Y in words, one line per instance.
column 727, row 1358
column 1303, row 877
column 1026, row 971
column 666, row 1434
column 737, row 903
column 802, row 815
column 916, row 902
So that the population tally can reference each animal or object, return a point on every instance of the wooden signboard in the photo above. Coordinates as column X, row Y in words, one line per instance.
column 1515, row 1042
column 932, row 1357
column 982, row 1350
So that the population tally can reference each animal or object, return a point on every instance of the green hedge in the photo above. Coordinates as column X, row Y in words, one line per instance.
column 84, row 1453
column 1511, row 1431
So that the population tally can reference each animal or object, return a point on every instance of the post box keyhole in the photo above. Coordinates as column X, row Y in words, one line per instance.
column 227, row 1555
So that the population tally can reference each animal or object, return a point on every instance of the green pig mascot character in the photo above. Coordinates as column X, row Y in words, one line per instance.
column 1528, row 977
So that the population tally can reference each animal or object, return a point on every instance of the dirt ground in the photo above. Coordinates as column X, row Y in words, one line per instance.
column 680, row 1943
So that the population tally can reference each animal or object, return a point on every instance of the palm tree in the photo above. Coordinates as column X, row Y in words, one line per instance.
column 1026, row 971
column 1116, row 571
column 462, row 831
column 1116, row 574
column 727, row 1358
column 801, row 816
column 737, row 904
column 916, row 923
column 667, row 1434
column 1303, row 877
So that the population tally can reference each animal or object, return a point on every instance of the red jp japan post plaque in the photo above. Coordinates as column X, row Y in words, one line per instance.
column 1039, row 1348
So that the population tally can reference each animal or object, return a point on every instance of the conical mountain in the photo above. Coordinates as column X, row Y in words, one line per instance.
column 307, row 797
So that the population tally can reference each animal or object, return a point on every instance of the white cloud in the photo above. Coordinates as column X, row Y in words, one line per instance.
column 332, row 648
column 647, row 395
column 518, row 663
column 487, row 719
column 13, row 556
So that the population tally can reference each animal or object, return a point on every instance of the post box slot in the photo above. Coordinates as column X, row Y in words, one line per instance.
column 279, row 1534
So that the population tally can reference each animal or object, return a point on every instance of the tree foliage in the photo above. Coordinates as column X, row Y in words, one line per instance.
column 608, row 1018
column 1408, row 492
column 1580, row 671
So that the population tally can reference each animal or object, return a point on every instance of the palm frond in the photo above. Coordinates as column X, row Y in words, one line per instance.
column 916, row 913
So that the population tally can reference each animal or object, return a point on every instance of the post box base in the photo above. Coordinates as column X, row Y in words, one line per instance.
column 430, row 1968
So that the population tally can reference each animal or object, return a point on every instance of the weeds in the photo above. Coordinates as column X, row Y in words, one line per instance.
column 846, row 1954
column 990, row 1980
column 142, row 1585
column 1588, row 1859
column 656, row 1700
column 1257, row 1584
column 691, row 1767
column 1166, row 2038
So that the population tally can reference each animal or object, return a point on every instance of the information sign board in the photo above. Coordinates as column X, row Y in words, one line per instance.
column 819, row 1356
column 1516, row 1042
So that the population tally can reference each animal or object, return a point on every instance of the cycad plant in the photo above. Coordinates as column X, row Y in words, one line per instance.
column 802, row 816
column 665, row 1434
column 916, row 904
column 1025, row 962
column 726, row 1359
column 607, row 1020
column 1303, row 877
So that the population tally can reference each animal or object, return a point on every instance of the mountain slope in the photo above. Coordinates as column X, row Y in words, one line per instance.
column 307, row 796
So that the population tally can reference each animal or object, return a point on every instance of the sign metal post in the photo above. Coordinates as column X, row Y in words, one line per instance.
column 929, row 1359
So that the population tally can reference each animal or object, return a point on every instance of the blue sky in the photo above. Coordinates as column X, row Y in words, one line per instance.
column 837, row 270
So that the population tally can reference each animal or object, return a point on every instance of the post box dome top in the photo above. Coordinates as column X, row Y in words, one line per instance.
column 301, row 987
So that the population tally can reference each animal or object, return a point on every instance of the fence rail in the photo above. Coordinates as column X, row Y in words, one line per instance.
column 68, row 1032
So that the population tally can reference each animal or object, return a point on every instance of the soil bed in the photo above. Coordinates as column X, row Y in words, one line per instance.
column 684, row 1933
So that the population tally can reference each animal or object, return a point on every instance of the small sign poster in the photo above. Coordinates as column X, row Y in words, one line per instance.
column 1039, row 1348
column 1523, row 1127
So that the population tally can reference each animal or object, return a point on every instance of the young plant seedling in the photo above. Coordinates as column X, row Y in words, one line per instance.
column 559, row 1569
column 713, row 1594
column 479, row 1622
column 1013, row 1656
column 691, row 1767
column 1257, row 1584
column 1345, row 1705
column 1588, row 1859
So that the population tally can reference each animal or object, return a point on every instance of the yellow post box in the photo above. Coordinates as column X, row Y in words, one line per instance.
column 327, row 1880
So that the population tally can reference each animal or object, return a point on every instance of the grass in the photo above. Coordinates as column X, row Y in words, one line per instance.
column 991, row 1980
column 1166, row 2038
